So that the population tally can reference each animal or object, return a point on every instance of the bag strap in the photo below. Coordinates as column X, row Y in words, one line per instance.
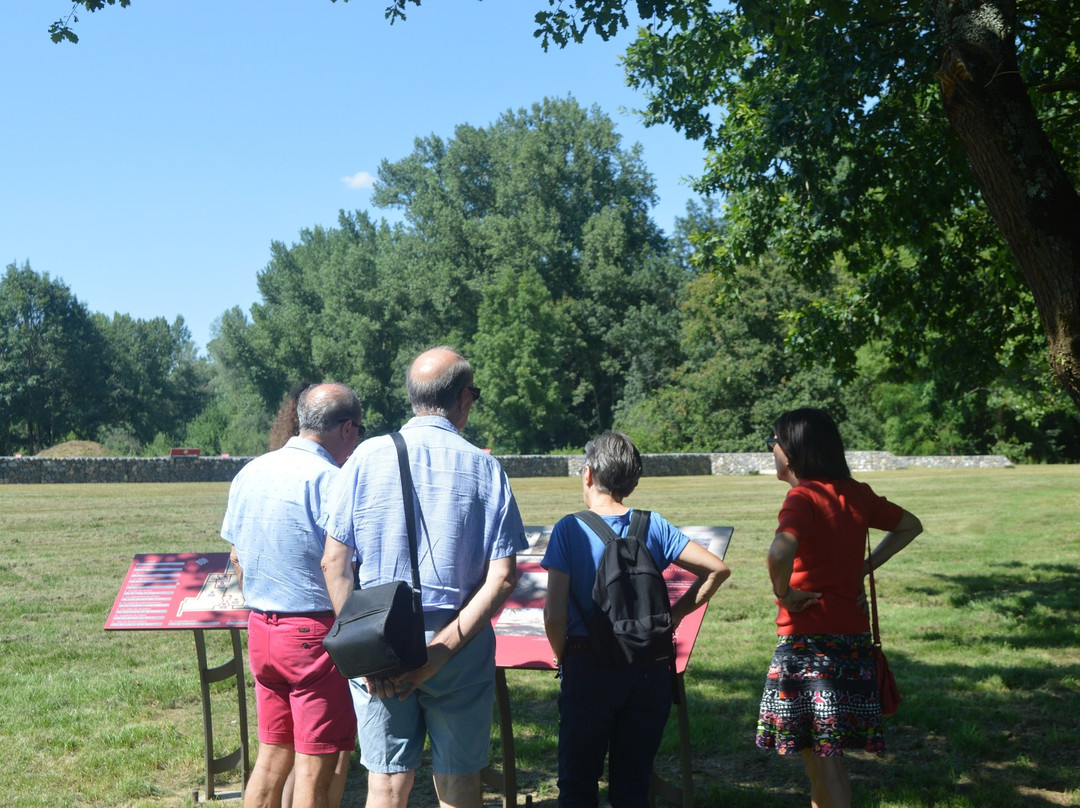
column 599, row 526
column 410, row 510
column 639, row 525
column 606, row 534
column 873, row 592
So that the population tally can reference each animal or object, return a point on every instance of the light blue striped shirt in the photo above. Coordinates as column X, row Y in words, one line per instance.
column 272, row 519
column 466, row 514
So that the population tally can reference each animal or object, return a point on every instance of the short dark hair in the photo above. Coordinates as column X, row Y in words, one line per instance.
column 321, row 407
column 615, row 463
column 437, row 396
column 812, row 444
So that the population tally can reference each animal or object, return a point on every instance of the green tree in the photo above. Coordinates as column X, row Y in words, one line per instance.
column 526, row 243
column 825, row 130
column 334, row 306
column 1020, row 413
column 50, row 363
column 547, row 194
column 154, row 380
column 738, row 372
column 737, row 375
column 825, row 126
column 518, row 365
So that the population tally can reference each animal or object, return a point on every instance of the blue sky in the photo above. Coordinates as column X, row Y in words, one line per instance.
column 151, row 165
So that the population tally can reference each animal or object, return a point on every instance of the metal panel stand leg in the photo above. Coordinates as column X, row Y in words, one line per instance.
column 660, row 787
column 505, row 781
column 234, row 668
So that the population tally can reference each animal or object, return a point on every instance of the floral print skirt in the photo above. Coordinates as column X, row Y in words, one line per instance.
column 821, row 694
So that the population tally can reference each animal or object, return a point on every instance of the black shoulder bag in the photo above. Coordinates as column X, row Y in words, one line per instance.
column 380, row 630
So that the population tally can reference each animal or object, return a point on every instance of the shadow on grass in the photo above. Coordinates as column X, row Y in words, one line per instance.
column 1001, row 728
column 1010, row 744
column 1038, row 603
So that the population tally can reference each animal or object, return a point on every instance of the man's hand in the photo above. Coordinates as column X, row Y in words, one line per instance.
column 386, row 688
column 379, row 687
column 405, row 684
column 234, row 559
column 498, row 583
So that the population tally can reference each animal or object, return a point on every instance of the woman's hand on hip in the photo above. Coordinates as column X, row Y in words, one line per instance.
column 796, row 600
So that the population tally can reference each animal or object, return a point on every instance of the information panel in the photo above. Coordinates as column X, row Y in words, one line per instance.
column 179, row 591
column 519, row 626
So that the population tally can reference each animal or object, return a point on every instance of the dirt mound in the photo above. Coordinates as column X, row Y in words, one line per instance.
column 75, row 448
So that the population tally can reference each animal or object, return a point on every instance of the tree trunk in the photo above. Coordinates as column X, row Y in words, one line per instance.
column 1031, row 198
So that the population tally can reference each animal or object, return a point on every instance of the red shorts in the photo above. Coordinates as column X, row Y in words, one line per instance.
column 300, row 698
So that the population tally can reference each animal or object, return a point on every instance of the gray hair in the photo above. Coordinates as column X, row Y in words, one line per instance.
column 437, row 395
column 321, row 407
column 615, row 464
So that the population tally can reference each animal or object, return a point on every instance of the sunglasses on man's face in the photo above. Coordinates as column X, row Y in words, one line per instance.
column 772, row 443
column 360, row 428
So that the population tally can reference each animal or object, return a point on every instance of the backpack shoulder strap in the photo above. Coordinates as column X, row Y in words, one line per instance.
column 599, row 526
column 639, row 525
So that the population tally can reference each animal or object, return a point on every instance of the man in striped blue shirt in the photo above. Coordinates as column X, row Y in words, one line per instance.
column 469, row 532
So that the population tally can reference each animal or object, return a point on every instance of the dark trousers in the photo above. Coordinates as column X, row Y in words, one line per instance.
column 617, row 711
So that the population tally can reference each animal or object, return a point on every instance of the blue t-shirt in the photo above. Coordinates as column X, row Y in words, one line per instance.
column 574, row 548
column 272, row 520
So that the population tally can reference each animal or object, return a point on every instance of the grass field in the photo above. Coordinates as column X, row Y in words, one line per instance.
column 979, row 618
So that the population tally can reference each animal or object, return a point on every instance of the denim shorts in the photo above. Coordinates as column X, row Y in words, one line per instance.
column 453, row 708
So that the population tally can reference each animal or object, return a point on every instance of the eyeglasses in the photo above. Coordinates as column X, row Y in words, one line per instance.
column 772, row 443
column 475, row 391
column 360, row 428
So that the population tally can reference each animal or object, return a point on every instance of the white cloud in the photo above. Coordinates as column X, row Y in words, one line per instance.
column 359, row 181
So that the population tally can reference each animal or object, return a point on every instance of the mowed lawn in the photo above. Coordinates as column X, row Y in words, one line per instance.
column 979, row 618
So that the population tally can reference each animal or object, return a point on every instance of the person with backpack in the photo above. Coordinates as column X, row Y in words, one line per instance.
column 611, row 625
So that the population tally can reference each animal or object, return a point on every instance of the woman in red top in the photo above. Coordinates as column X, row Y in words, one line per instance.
column 820, row 693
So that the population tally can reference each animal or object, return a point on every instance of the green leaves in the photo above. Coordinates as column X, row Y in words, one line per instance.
column 61, row 31
column 527, row 245
column 827, row 140
column 50, row 363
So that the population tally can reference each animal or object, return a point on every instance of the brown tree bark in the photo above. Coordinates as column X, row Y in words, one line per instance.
column 1031, row 198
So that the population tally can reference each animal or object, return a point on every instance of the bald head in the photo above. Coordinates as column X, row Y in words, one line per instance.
column 322, row 407
column 436, row 379
column 329, row 415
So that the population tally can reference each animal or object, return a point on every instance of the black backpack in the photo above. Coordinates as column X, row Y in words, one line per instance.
column 631, row 616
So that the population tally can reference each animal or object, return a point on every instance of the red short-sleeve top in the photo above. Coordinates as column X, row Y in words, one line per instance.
column 829, row 518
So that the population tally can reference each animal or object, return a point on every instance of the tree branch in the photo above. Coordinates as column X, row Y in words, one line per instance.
column 1069, row 84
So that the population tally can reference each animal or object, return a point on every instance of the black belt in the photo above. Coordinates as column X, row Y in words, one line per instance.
column 324, row 613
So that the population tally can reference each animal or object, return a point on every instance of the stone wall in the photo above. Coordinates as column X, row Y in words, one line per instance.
column 119, row 469
column 223, row 469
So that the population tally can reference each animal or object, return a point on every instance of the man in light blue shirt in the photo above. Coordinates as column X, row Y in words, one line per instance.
column 469, row 532
column 306, row 721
